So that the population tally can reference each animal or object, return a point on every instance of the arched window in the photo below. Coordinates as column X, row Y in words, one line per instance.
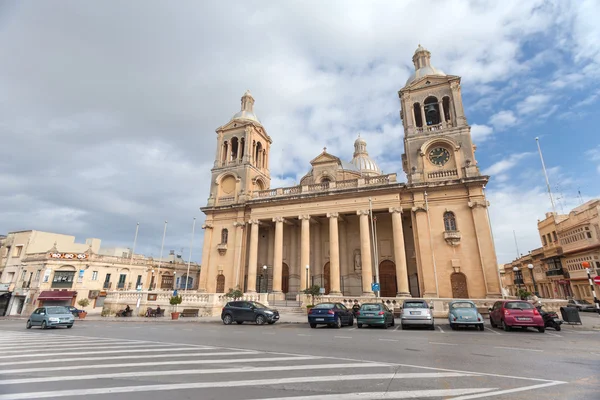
column 224, row 236
column 446, row 106
column 234, row 148
column 417, row 114
column 257, row 154
column 449, row 221
column 432, row 111
column 325, row 179
column 224, row 155
column 242, row 147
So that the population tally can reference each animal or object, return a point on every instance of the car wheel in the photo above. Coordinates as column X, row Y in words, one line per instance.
column 385, row 325
column 272, row 322
column 239, row 322
column 452, row 326
column 359, row 326
column 481, row 327
column 432, row 327
column 69, row 326
column 504, row 326
column 43, row 325
column 402, row 326
column 557, row 327
column 227, row 319
column 338, row 323
column 28, row 325
column 541, row 329
column 351, row 321
column 313, row 326
column 260, row 320
column 393, row 322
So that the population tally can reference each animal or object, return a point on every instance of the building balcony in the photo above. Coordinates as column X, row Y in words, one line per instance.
column 121, row 285
column 452, row 237
column 107, row 285
column 25, row 285
column 61, row 285
column 555, row 272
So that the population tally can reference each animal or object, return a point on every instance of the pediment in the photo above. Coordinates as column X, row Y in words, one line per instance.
column 325, row 158
column 432, row 79
column 236, row 124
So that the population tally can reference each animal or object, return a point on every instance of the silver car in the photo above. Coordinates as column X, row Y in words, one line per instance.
column 416, row 312
column 51, row 317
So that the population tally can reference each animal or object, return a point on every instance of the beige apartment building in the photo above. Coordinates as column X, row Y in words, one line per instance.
column 349, row 224
column 567, row 241
column 48, row 268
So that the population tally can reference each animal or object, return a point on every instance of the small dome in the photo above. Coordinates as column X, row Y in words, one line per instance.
column 362, row 161
column 247, row 109
column 246, row 115
column 423, row 67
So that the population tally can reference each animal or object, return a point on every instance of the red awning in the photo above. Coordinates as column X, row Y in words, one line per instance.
column 57, row 295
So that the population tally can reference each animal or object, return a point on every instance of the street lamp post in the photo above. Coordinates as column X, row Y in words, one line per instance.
column 517, row 280
column 307, row 268
column 535, row 289
column 266, row 279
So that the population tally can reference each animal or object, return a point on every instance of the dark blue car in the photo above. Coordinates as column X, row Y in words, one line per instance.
column 332, row 314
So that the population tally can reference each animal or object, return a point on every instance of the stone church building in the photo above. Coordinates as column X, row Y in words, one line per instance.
column 347, row 225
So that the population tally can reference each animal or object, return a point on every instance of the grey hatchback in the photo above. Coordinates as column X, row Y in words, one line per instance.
column 51, row 317
column 416, row 312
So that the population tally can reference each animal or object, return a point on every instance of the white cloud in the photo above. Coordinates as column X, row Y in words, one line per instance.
column 506, row 164
column 535, row 102
column 481, row 133
column 503, row 119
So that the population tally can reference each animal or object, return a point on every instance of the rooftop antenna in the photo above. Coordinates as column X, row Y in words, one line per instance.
column 547, row 180
column 516, row 244
column 580, row 197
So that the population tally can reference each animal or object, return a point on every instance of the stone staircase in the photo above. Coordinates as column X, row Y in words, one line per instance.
column 288, row 306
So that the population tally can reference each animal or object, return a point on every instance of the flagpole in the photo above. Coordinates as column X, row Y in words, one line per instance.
column 137, row 227
column 187, row 275
column 546, row 175
column 376, row 266
column 161, row 251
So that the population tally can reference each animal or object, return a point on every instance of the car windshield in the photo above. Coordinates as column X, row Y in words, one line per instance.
column 57, row 310
column 325, row 305
column 582, row 302
column 462, row 305
column 518, row 305
column 415, row 304
column 370, row 307
column 257, row 305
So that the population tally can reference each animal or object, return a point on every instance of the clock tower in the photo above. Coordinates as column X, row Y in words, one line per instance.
column 437, row 138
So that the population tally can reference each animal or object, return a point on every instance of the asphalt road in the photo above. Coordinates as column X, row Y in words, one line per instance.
column 157, row 360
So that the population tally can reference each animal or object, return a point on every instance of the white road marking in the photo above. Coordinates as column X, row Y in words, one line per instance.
column 303, row 334
column 440, row 328
column 396, row 328
column 492, row 330
column 268, row 333
column 226, row 384
column 61, row 354
column 520, row 389
column 408, row 394
column 191, row 372
column 517, row 349
column 343, row 337
column 156, row 363
column 351, row 329
column 89, row 345
column 62, row 343
column 553, row 334
column 445, row 344
column 171, row 355
column 389, row 340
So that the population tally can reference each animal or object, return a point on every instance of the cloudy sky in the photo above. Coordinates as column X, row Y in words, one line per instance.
column 108, row 109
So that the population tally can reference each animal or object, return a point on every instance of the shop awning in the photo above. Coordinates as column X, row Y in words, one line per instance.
column 57, row 295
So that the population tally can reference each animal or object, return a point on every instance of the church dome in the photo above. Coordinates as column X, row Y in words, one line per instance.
column 247, row 111
column 362, row 161
column 423, row 67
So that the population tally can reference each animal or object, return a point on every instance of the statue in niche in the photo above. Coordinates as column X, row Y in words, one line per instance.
column 357, row 260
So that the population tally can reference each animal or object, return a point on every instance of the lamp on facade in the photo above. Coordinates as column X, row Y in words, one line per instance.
column 535, row 289
column 517, row 280
column 266, row 278
column 307, row 269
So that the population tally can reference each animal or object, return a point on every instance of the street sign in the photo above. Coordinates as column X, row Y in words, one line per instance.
column 322, row 290
column 375, row 287
column 175, row 293
column 597, row 280
column 139, row 288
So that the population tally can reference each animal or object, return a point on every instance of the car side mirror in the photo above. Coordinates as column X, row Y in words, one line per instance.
column 431, row 307
column 42, row 313
column 490, row 309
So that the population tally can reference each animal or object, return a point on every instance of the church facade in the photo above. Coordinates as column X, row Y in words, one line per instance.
column 348, row 225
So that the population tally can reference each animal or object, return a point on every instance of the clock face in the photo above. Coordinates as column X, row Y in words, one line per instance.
column 439, row 156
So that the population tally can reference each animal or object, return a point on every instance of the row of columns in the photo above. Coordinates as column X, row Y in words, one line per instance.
column 334, row 252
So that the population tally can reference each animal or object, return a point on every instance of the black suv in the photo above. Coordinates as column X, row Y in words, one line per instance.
column 248, row 311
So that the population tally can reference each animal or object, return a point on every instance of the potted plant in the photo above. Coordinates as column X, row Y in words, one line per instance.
column 313, row 291
column 523, row 294
column 175, row 301
column 234, row 294
column 83, row 303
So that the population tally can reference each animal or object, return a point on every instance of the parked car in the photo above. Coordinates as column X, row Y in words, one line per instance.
column 416, row 312
column 509, row 314
column 332, row 314
column 51, row 317
column 248, row 311
column 375, row 314
column 464, row 313
column 74, row 311
column 581, row 305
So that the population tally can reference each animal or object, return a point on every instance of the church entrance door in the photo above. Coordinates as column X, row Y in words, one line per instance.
column 458, row 280
column 285, row 278
column 326, row 278
column 387, row 278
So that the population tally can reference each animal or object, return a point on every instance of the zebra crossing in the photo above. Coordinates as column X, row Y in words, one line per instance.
column 45, row 364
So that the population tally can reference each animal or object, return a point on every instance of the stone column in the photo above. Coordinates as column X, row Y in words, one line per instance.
column 344, row 266
column 365, row 253
column 304, row 251
column 423, row 115
column 239, row 237
column 487, row 253
column 318, row 264
column 399, row 253
column 427, row 277
column 334, row 255
column 253, row 256
column 208, row 231
column 293, row 263
column 441, row 108
column 278, row 254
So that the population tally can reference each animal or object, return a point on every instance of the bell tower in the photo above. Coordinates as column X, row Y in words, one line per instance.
column 242, row 159
column 437, row 138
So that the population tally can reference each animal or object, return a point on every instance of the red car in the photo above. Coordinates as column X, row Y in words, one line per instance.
column 516, row 314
